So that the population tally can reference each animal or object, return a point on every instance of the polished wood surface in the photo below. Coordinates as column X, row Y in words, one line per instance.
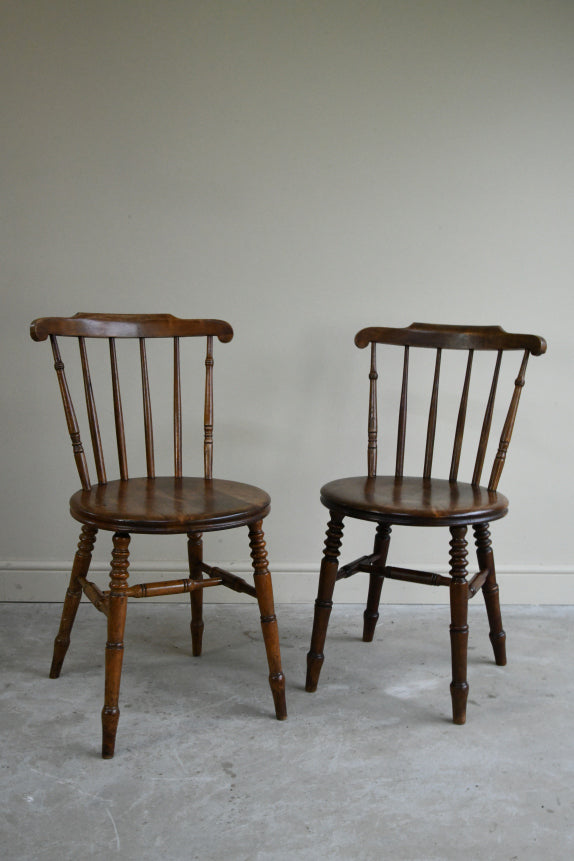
column 151, row 504
column 128, row 326
column 426, row 500
column 451, row 338
column 413, row 501
column 168, row 505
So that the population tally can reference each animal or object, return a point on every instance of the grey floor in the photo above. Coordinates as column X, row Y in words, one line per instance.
column 369, row 767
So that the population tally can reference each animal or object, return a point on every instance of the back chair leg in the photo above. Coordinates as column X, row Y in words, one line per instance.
column 115, row 643
column 324, row 602
column 80, row 568
column 459, row 622
column 195, row 554
column 264, row 591
column 376, row 579
column 485, row 558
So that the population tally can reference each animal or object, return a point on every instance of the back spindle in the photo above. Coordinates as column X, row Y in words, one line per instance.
column 461, row 420
column 485, row 432
column 372, row 430
column 401, row 435
column 177, row 410
column 431, row 429
column 118, row 412
column 71, row 420
column 92, row 414
column 147, row 412
column 208, row 412
column 508, row 426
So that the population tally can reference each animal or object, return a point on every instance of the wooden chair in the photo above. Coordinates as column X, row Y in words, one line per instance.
column 426, row 501
column 154, row 504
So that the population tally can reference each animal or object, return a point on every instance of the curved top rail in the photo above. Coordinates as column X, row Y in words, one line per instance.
column 128, row 326
column 451, row 337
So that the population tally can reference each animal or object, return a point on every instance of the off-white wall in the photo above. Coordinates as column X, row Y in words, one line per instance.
column 301, row 169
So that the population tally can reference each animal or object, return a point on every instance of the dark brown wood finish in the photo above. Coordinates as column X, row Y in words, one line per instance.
column 402, row 417
column 152, row 504
column 80, row 569
column 376, row 580
column 324, row 601
column 264, row 592
column 426, row 500
column 195, row 556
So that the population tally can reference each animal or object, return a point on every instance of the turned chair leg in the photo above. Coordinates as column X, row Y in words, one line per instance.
column 264, row 591
column 459, row 622
column 376, row 579
column 115, row 642
column 195, row 554
column 324, row 602
column 80, row 568
column 485, row 558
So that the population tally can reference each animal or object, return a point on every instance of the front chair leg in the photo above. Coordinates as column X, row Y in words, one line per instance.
column 115, row 643
column 485, row 558
column 264, row 591
column 195, row 554
column 376, row 579
column 459, row 622
column 324, row 602
column 80, row 568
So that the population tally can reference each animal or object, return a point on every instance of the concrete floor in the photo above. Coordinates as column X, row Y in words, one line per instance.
column 369, row 767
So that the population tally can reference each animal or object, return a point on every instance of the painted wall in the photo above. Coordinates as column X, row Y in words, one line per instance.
column 301, row 169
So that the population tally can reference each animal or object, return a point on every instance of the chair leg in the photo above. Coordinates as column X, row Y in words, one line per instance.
column 195, row 554
column 80, row 568
column 459, row 622
column 376, row 579
column 264, row 591
column 485, row 558
column 115, row 643
column 324, row 602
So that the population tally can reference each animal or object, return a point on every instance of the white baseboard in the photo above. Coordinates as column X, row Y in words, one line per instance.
column 292, row 583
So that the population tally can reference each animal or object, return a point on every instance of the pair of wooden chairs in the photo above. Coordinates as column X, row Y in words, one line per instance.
column 178, row 504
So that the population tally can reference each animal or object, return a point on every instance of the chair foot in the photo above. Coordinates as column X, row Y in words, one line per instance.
column 61, row 645
column 314, row 664
column 499, row 647
column 371, row 616
column 459, row 694
column 277, row 683
column 110, row 718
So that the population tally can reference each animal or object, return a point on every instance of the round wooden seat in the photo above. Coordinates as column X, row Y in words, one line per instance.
column 169, row 505
column 413, row 501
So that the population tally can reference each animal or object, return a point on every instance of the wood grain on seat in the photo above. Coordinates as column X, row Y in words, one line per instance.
column 413, row 501
column 169, row 505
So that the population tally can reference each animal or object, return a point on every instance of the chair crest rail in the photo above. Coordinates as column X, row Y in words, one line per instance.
column 128, row 326
column 451, row 337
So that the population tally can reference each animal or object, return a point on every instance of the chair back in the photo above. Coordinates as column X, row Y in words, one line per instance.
column 466, row 338
column 140, row 328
